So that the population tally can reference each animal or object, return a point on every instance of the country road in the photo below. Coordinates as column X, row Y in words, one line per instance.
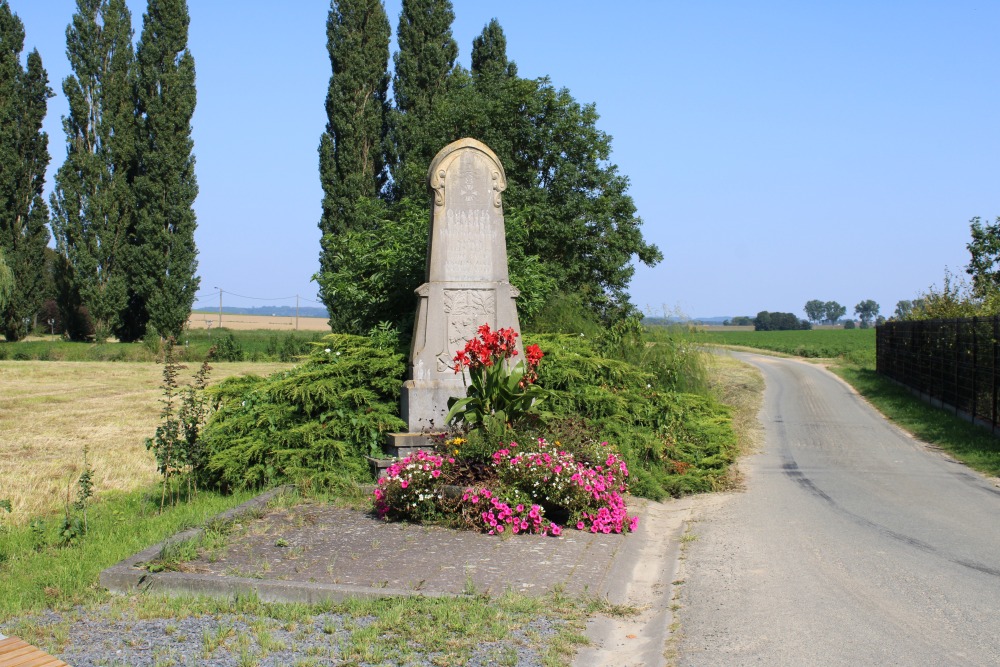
column 852, row 544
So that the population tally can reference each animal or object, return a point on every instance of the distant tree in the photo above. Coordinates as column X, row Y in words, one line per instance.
column 849, row 324
column 834, row 311
column 24, row 157
column 93, row 203
column 904, row 309
column 742, row 321
column 880, row 320
column 866, row 311
column 984, row 248
column 815, row 310
column 352, row 150
column 163, row 257
column 423, row 67
column 766, row 321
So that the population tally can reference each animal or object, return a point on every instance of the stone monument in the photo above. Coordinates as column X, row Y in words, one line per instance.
column 467, row 284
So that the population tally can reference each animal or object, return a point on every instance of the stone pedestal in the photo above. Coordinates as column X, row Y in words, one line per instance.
column 467, row 278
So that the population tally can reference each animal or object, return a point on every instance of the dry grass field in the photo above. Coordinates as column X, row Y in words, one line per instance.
column 248, row 322
column 51, row 410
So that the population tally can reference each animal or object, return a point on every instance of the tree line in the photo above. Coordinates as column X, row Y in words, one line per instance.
column 572, row 228
column 121, row 211
column 121, row 214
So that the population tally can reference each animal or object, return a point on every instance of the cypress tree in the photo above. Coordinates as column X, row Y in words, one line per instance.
column 92, row 205
column 24, row 157
column 162, row 256
column 352, row 149
column 423, row 64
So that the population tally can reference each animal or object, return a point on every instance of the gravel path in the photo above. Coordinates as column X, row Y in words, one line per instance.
column 108, row 639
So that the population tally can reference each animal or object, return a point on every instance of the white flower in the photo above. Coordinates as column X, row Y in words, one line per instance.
column 649, row 386
column 327, row 350
column 338, row 353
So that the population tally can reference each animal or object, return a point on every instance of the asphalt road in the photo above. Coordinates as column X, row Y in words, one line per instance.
column 853, row 544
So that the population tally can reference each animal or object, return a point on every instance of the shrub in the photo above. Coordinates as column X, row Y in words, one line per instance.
column 673, row 443
column 318, row 419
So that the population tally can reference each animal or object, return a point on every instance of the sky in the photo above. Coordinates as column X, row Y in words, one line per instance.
column 778, row 152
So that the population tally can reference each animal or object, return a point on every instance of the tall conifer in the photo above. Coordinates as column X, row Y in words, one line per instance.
column 24, row 156
column 163, row 257
column 423, row 64
column 92, row 205
column 352, row 150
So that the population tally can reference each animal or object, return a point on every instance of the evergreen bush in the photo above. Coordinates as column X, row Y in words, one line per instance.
column 317, row 420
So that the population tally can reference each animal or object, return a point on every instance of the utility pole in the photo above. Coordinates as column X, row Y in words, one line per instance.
column 220, row 306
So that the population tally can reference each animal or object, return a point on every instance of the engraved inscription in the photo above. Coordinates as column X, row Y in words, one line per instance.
column 471, row 237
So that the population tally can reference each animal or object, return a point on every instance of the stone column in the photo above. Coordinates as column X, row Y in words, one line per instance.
column 467, row 282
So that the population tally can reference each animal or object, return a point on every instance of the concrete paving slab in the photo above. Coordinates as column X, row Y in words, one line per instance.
column 316, row 552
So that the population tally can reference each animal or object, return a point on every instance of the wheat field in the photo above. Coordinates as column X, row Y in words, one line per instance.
column 51, row 410
column 249, row 322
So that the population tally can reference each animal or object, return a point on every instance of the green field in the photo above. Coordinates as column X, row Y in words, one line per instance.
column 231, row 345
column 856, row 346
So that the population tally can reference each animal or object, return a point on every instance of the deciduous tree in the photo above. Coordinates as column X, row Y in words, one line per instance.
column 93, row 205
column 834, row 311
column 24, row 156
column 423, row 67
column 163, row 256
column 866, row 311
column 815, row 310
column 984, row 248
column 353, row 149
column 6, row 282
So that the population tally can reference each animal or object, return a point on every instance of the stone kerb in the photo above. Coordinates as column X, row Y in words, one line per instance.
column 467, row 280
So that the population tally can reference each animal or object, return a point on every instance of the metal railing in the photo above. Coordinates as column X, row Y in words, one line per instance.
column 952, row 363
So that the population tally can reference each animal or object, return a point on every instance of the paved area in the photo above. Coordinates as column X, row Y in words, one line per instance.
column 316, row 552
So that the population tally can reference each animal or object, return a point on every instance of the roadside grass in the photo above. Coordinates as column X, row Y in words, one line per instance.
column 852, row 357
column 37, row 574
column 50, row 411
column 407, row 630
column 741, row 387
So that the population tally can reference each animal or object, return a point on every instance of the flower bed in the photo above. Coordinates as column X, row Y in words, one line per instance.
column 518, row 493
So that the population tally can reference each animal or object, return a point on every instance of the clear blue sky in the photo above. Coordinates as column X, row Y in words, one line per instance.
column 778, row 151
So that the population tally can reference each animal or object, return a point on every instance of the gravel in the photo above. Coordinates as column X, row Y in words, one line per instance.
column 107, row 639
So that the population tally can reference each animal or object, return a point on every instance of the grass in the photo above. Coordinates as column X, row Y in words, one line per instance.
column 855, row 346
column 359, row 631
column 50, row 411
column 233, row 345
column 853, row 358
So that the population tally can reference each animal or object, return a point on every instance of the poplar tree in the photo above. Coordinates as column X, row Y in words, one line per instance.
column 162, row 257
column 423, row 67
column 24, row 156
column 489, row 52
column 92, row 206
column 352, row 150
column 6, row 282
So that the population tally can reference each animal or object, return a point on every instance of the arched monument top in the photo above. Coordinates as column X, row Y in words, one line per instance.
column 439, row 168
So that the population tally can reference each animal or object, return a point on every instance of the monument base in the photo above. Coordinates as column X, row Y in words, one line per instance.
column 424, row 403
